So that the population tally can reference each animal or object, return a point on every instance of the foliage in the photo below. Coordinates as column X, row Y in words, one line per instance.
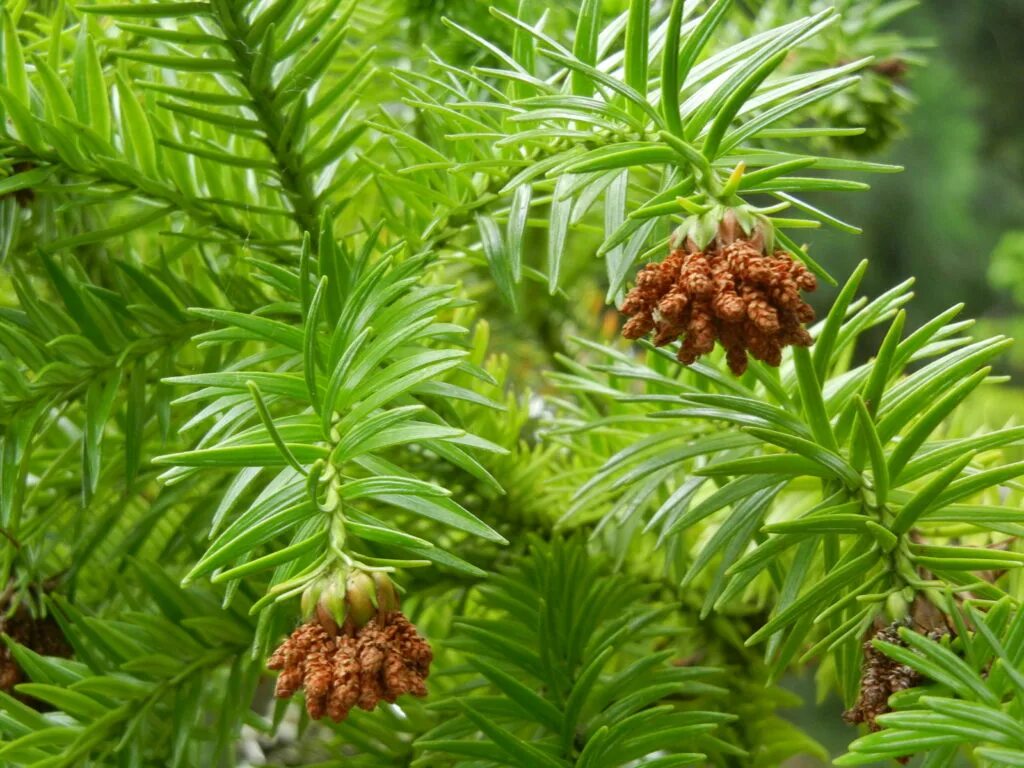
column 837, row 490
column 138, row 689
column 294, row 293
column 562, row 625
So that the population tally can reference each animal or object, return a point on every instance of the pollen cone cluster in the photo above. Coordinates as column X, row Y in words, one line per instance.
column 40, row 634
column 881, row 677
column 355, row 667
column 730, row 292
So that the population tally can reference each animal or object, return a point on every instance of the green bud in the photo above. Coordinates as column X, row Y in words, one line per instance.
column 310, row 597
column 361, row 596
column 897, row 607
column 387, row 596
column 331, row 608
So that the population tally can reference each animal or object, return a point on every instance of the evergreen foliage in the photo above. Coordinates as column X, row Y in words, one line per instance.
column 300, row 298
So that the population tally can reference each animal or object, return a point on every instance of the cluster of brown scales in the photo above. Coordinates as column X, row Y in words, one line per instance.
column 352, row 666
column 731, row 292
column 881, row 677
column 40, row 634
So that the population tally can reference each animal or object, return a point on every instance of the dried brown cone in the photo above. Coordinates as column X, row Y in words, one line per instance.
column 881, row 677
column 731, row 292
column 372, row 652
column 638, row 326
column 345, row 693
column 40, row 634
column 727, row 304
column 290, row 657
column 700, row 333
column 409, row 658
column 318, row 675
column 653, row 282
column 695, row 277
column 760, row 311
column 414, row 648
column 733, row 339
column 360, row 666
column 673, row 308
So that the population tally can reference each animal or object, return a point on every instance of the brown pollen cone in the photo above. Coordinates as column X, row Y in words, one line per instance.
column 881, row 677
column 357, row 666
column 730, row 292
column 42, row 635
